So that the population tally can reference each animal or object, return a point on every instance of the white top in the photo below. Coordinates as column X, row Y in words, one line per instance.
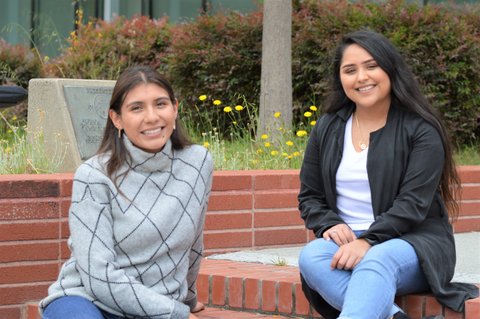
column 354, row 200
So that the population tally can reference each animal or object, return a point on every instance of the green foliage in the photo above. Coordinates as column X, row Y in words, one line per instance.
column 102, row 50
column 18, row 65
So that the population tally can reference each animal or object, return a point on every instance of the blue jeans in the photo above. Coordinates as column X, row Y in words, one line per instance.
column 368, row 291
column 74, row 307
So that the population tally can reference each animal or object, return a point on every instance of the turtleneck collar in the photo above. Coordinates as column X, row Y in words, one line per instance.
column 148, row 162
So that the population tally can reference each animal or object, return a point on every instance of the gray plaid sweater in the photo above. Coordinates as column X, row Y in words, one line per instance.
column 138, row 255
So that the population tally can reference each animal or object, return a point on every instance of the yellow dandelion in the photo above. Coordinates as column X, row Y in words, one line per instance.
column 264, row 136
column 202, row 97
column 234, row 123
column 312, row 123
column 217, row 102
column 267, row 144
column 9, row 131
column 259, row 151
column 289, row 156
column 14, row 118
column 239, row 108
column 46, row 58
column 302, row 133
column 277, row 114
column 313, row 108
column 296, row 154
column 289, row 143
column 284, row 154
column 8, row 150
column 206, row 144
column 274, row 153
column 227, row 109
column 307, row 114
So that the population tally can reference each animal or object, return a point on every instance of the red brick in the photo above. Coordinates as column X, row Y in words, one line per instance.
column 272, row 218
column 282, row 179
column 203, row 288
column 64, row 228
column 230, row 201
column 18, row 251
column 285, row 300
column 227, row 239
column 31, row 311
column 64, row 207
column 218, row 290
column 64, row 250
column 472, row 308
column 280, row 237
column 28, row 209
column 10, row 312
column 15, row 274
column 469, row 209
column 66, row 186
column 29, row 231
column 269, row 295
column 230, row 180
column 470, row 191
column 414, row 305
column 29, row 188
column 252, row 294
column 466, row 225
column 219, row 221
column 235, row 292
column 432, row 307
column 302, row 306
column 276, row 199
column 469, row 173
column 450, row 314
column 19, row 294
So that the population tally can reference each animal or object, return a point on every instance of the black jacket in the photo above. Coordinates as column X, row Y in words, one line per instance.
column 404, row 165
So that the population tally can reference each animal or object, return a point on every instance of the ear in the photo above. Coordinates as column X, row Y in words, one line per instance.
column 116, row 119
column 175, row 107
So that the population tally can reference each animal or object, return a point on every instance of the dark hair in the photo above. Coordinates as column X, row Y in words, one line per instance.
column 405, row 93
column 112, row 143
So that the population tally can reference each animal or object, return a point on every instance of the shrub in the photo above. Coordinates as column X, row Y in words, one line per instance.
column 102, row 50
column 18, row 64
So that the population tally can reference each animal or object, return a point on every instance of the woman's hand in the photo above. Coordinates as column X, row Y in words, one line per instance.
column 341, row 234
column 349, row 255
column 198, row 307
column 192, row 317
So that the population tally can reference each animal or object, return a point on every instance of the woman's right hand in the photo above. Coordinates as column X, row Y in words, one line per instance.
column 341, row 234
column 192, row 316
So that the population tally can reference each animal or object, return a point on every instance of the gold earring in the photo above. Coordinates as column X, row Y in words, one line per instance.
column 119, row 133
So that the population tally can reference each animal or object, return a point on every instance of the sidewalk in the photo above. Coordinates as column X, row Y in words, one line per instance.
column 467, row 268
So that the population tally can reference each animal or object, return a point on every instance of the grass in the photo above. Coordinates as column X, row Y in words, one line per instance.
column 227, row 130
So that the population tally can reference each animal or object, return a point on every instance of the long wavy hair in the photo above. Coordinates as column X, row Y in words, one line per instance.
column 405, row 93
column 112, row 142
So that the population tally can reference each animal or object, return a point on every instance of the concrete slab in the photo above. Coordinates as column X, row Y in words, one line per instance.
column 467, row 268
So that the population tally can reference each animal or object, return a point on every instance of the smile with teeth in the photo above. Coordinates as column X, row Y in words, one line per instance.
column 152, row 131
column 365, row 88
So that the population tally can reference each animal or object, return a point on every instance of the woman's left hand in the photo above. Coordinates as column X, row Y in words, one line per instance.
column 349, row 255
column 198, row 307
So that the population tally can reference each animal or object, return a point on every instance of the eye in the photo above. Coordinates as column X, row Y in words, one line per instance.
column 372, row 66
column 349, row 70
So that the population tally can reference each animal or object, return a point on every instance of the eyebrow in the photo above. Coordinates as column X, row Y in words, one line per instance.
column 364, row 62
column 161, row 98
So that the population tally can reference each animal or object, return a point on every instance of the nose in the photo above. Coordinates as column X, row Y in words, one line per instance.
column 362, row 75
column 151, row 114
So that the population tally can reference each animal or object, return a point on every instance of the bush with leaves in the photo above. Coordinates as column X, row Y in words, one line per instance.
column 102, row 50
column 18, row 64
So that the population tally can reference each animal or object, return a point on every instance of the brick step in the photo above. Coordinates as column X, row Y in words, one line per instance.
column 241, row 290
column 277, row 290
column 31, row 312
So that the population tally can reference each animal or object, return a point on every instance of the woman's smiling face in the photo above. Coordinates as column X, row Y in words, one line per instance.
column 363, row 81
column 147, row 116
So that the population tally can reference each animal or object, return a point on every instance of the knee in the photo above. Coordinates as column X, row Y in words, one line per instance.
column 314, row 253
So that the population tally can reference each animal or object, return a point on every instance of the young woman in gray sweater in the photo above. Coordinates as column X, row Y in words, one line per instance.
column 137, row 213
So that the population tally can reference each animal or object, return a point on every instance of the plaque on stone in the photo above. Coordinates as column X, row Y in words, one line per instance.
column 88, row 108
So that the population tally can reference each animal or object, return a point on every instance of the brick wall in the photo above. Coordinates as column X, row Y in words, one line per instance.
column 248, row 209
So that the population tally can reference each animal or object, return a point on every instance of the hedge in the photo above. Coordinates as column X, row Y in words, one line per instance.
column 220, row 55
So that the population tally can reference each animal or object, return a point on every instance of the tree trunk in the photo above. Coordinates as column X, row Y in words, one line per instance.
column 276, row 77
